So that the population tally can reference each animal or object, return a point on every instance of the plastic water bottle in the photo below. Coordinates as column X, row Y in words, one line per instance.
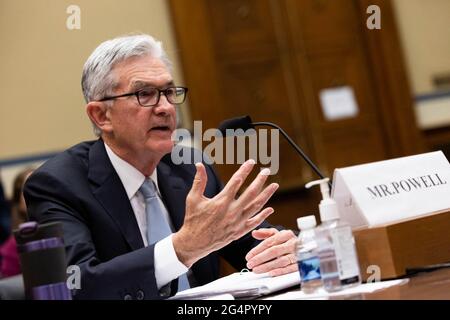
column 307, row 258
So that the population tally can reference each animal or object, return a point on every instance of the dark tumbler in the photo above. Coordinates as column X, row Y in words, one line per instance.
column 43, row 260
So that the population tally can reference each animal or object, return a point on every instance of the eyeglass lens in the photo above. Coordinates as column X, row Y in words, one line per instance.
column 150, row 96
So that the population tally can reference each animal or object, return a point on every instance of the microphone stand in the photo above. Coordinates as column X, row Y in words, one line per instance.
column 294, row 145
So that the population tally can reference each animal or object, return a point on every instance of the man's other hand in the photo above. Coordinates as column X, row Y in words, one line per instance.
column 275, row 254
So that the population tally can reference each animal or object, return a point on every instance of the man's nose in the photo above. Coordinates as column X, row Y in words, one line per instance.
column 163, row 107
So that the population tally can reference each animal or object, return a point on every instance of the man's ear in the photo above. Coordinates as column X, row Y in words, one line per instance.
column 98, row 112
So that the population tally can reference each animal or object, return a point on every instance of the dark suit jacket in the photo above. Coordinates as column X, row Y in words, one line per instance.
column 81, row 189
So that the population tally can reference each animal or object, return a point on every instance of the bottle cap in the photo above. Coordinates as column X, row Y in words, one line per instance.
column 307, row 222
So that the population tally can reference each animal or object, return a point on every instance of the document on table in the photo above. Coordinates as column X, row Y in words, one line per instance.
column 240, row 285
column 322, row 294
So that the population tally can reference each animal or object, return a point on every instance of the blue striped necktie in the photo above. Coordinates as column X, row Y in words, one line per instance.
column 157, row 225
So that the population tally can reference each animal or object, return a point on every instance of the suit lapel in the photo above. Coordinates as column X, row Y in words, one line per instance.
column 109, row 191
column 174, row 191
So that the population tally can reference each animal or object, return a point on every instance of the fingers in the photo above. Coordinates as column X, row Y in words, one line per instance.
column 234, row 184
column 279, row 244
column 200, row 179
column 258, row 203
column 255, row 221
column 263, row 233
column 260, row 234
column 279, row 264
column 285, row 270
column 254, row 189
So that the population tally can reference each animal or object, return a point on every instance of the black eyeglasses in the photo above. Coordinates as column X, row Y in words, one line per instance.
column 148, row 97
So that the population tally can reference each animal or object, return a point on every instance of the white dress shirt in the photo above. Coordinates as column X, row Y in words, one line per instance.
column 167, row 265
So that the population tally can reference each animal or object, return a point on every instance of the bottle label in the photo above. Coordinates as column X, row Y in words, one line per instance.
column 347, row 260
column 328, row 265
column 309, row 269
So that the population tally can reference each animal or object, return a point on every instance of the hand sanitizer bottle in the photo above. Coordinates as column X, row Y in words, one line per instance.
column 340, row 235
column 328, row 263
column 307, row 259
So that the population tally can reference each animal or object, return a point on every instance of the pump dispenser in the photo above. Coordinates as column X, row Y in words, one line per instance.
column 328, row 207
column 338, row 235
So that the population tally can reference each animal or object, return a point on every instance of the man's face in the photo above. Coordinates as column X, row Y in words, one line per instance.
column 142, row 131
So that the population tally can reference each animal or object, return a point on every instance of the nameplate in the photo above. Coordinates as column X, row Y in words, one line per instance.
column 394, row 190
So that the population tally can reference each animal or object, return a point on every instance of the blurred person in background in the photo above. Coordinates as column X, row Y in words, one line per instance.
column 9, row 263
column 4, row 216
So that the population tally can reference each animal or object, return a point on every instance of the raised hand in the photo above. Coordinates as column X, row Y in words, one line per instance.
column 211, row 224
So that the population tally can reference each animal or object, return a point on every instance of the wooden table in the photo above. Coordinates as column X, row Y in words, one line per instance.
column 433, row 285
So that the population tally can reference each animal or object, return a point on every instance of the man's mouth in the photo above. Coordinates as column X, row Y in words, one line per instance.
column 160, row 128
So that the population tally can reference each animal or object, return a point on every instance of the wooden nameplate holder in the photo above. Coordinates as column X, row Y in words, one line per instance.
column 408, row 244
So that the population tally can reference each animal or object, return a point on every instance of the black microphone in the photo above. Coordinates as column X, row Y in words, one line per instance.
column 245, row 123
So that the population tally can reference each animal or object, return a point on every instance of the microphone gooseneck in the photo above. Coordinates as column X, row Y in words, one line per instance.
column 293, row 144
column 245, row 123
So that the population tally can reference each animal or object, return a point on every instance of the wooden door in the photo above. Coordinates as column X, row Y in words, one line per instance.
column 271, row 59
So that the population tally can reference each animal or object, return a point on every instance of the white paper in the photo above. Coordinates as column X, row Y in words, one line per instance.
column 225, row 296
column 338, row 103
column 322, row 294
column 244, row 281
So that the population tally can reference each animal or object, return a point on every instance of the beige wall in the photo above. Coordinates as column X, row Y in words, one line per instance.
column 424, row 27
column 42, row 108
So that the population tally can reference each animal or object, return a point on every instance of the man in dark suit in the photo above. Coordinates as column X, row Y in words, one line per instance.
column 99, row 190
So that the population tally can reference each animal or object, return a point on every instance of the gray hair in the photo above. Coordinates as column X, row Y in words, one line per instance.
column 98, row 80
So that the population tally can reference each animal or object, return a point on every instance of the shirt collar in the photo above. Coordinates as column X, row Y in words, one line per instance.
column 131, row 178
